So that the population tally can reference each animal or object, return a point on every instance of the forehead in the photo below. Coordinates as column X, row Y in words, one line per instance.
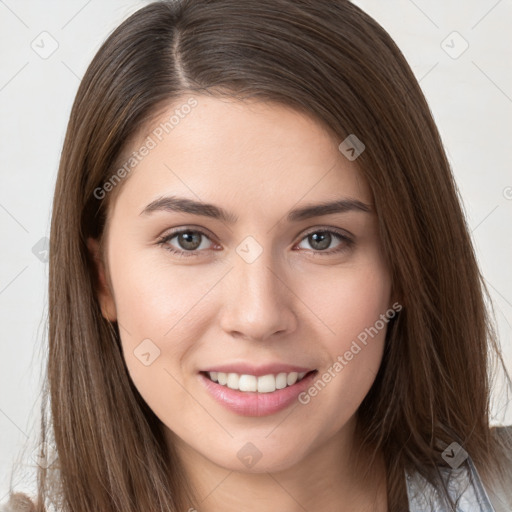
column 249, row 154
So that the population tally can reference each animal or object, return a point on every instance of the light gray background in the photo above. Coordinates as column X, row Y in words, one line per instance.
column 470, row 95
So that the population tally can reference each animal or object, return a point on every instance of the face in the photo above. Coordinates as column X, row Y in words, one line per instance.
column 258, row 284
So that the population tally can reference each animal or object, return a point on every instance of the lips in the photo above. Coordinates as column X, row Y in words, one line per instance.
column 255, row 403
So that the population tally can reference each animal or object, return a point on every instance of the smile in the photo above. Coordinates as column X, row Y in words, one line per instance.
column 263, row 384
column 263, row 395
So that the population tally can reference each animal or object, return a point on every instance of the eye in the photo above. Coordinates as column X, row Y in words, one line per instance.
column 190, row 241
column 321, row 239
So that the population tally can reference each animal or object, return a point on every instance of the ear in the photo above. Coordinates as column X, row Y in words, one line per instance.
column 101, row 284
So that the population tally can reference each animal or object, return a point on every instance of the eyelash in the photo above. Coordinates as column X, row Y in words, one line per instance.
column 347, row 242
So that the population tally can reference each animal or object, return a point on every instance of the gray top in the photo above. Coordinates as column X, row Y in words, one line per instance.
column 464, row 486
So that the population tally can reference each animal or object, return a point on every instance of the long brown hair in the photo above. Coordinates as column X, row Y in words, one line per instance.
column 326, row 58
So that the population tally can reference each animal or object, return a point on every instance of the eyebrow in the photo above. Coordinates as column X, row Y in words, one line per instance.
column 181, row 204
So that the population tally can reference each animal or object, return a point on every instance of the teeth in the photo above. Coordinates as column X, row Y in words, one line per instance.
column 264, row 384
column 247, row 383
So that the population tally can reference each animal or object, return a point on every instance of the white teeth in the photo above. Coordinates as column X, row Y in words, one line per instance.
column 263, row 384
column 233, row 379
column 292, row 378
column 266, row 384
column 248, row 383
column 281, row 381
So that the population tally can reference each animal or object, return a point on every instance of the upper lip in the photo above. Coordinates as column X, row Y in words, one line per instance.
column 257, row 371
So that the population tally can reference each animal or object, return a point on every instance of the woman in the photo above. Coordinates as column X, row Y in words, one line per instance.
column 263, row 294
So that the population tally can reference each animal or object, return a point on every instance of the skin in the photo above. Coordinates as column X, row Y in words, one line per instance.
column 257, row 160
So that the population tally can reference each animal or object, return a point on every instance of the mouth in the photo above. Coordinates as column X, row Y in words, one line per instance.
column 257, row 384
column 251, row 395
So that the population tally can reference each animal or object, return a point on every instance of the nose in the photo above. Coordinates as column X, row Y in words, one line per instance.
column 257, row 300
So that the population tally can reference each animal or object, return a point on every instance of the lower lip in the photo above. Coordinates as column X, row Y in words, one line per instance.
column 250, row 403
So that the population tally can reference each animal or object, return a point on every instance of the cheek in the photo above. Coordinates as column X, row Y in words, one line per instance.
column 354, row 308
column 154, row 297
column 162, row 312
column 160, row 317
column 347, row 301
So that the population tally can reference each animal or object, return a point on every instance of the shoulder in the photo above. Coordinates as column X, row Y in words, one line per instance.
column 18, row 502
column 500, row 487
column 464, row 485
column 461, row 485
